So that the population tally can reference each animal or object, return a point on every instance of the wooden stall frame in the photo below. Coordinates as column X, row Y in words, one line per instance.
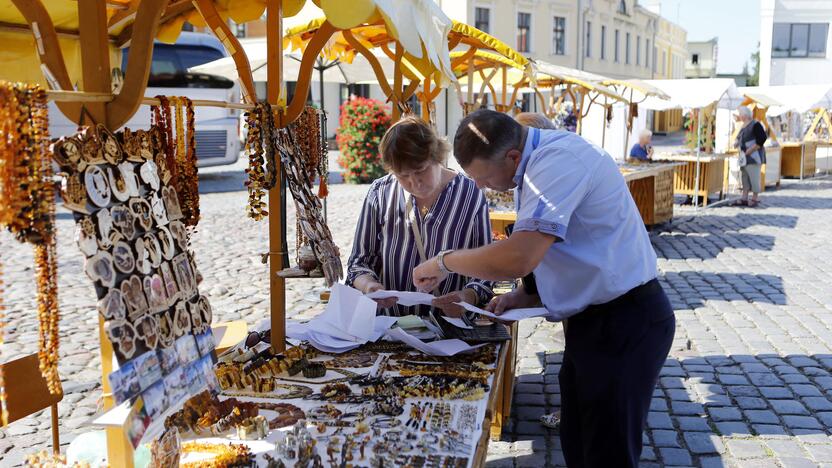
column 95, row 99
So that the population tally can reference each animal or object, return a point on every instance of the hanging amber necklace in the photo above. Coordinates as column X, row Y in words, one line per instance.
column 186, row 176
column 256, row 176
column 27, row 206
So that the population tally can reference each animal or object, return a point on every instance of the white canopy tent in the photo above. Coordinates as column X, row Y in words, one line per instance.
column 697, row 94
column 694, row 94
column 797, row 98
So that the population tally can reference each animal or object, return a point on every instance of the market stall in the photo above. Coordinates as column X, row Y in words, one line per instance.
column 801, row 123
column 707, row 133
column 134, row 197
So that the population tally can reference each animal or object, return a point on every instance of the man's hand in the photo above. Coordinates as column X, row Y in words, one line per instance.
column 382, row 303
column 427, row 276
column 448, row 302
column 516, row 299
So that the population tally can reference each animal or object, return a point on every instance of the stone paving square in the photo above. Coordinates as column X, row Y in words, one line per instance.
column 747, row 382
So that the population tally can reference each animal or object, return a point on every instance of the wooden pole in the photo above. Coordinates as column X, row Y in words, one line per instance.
column 95, row 58
column 277, row 285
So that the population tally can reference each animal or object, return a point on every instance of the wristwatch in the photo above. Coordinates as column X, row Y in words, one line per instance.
column 440, row 260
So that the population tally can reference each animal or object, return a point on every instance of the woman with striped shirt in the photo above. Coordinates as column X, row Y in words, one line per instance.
column 420, row 205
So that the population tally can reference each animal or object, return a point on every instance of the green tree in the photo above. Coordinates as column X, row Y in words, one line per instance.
column 754, row 78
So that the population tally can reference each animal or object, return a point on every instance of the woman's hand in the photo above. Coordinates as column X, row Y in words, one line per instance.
column 385, row 303
column 516, row 299
column 427, row 276
column 447, row 303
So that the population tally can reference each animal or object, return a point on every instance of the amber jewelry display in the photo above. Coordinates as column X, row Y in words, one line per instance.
column 461, row 370
column 27, row 205
column 163, row 120
column 314, row 370
column 309, row 208
column 225, row 455
column 287, row 414
column 256, row 183
column 186, row 179
column 291, row 392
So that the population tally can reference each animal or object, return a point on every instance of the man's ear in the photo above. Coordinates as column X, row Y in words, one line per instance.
column 515, row 155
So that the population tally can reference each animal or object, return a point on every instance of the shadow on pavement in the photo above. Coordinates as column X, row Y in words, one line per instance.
column 697, row 402
column 690, row 289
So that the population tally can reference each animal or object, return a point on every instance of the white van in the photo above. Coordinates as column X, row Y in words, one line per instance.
column 217, row 129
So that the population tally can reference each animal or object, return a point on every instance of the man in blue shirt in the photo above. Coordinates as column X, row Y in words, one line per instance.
column 580, row 232
column 642, row 150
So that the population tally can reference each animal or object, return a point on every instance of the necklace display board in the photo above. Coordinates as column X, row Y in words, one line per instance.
column 130, row 230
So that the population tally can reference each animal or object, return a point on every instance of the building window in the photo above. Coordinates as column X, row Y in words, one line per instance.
column 622, row 7
column 524, row 25
column 603, row 42
column 482, row 19
column 694, row 59
column 615, row 52
column 627, row 49
column 638, row 50
column 664, row 63
column 799, row 40
column 588, row 44
column 647, row 53
column 558, row 35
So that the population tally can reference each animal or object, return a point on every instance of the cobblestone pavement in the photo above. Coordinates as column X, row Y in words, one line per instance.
column 748, row 381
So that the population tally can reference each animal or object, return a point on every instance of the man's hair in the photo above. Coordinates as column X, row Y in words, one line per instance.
column 645, row 133
column 535, row 120
column 485, row 134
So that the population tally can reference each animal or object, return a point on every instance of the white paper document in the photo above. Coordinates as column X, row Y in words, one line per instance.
column 435, row 348
column 348, row 321
column 457, row 322
column 404, row 298
column 509, row 315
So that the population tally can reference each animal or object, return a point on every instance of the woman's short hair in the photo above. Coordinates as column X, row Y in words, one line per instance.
column 411, row 142
column 744, row 111
column 535, row 120
column 645, row 133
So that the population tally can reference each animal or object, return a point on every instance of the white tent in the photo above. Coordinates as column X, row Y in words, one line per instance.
column 798, row 98
column 694, row 94
column 359, row 71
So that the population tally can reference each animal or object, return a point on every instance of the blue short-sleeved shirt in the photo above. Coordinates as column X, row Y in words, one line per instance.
column 638, row 152
column 571, row 189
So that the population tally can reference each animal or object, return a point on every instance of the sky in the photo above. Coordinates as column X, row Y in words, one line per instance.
column 735, row 22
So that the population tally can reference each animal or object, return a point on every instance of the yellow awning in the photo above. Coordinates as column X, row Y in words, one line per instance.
column 472, row 36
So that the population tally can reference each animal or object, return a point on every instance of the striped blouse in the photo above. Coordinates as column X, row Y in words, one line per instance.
column 385, row 248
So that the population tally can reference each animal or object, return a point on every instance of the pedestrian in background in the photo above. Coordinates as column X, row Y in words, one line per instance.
column 752, row 155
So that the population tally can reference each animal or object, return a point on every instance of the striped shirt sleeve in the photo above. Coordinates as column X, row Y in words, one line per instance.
column 365, row 258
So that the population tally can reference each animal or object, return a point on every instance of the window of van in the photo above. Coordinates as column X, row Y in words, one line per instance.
column 170, row 64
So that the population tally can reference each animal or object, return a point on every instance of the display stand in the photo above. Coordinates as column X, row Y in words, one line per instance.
column 797, row 159
column 711, row 176
column 652, row 191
